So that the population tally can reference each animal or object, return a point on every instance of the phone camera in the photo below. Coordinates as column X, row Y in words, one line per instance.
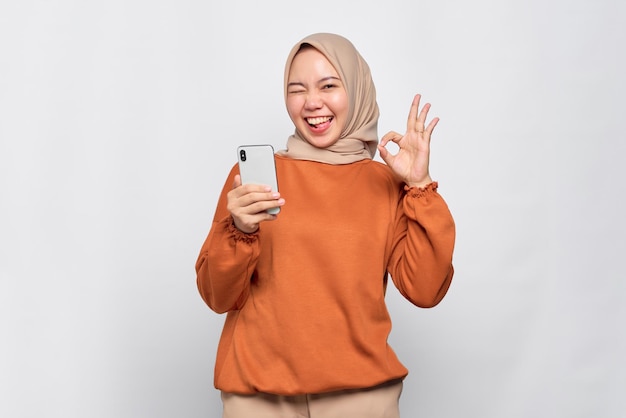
column 242, row 155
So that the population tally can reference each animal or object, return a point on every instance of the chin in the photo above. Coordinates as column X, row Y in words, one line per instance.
column 321, row 142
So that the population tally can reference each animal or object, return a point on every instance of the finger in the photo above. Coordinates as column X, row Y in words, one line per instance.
column 390, row 136
column 252, row 198
column 250, row 222
column 412, row 120
column 242, row 197
column 237, row 181
column 421, row 120
column 382, row 151
column 260, row 207
column 250, row 188
column 386, row 155
column 245, row 190
column 431, row 126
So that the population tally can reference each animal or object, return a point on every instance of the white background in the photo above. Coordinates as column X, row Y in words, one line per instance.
column 119, row 121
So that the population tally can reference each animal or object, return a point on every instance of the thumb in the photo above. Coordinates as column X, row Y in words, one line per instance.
column 237, row 181
column 385, row 155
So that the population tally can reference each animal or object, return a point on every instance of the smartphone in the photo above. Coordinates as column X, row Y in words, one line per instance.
column 257, row 166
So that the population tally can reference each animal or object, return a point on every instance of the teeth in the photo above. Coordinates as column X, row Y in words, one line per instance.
column 317, row 121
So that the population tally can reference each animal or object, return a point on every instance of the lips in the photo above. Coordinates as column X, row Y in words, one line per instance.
column 316, row 122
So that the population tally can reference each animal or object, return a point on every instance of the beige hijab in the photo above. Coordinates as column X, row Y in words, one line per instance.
column 359, row 137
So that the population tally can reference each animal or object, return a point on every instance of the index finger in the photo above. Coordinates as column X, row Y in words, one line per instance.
column 240, row 189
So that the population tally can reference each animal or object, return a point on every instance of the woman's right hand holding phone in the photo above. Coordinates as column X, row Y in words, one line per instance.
column 248, row 205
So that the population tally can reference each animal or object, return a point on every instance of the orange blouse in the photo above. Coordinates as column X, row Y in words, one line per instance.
column 305, row 294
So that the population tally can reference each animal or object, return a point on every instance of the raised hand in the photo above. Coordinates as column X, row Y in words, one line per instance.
column 411, row 161
column 248, row 203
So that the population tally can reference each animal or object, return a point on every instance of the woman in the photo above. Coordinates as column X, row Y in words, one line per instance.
column 307, row 326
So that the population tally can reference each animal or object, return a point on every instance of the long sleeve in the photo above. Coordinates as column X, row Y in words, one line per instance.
column 227, row 260
column 421, row 261
column 306, row 296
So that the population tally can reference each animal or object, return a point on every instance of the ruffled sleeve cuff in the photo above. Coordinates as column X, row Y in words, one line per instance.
column 422, row 192
column 236, row 234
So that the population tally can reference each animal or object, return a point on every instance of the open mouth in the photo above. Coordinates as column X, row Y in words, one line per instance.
column 319, row 121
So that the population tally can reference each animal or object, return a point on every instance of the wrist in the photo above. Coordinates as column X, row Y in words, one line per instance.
column 245, row 229
column 420, row 184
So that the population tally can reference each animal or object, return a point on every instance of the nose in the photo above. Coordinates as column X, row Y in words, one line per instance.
column 313, row 100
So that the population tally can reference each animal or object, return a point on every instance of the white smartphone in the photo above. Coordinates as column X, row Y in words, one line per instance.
column 257, row 166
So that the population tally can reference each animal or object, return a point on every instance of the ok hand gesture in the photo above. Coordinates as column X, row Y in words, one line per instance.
column 411, row 161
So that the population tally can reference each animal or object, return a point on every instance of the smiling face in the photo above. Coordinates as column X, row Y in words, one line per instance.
column 317, row 101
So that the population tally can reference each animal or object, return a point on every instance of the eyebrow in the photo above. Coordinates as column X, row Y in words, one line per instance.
column 297, row 83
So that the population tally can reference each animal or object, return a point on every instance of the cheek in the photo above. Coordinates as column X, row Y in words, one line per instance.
column 340, row 106
column 293, row 108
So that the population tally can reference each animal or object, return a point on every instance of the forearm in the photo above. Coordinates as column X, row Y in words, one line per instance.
column 225, row 265
column 421, row 265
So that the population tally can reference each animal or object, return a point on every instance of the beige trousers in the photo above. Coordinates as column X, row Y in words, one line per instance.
column 378, row 402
